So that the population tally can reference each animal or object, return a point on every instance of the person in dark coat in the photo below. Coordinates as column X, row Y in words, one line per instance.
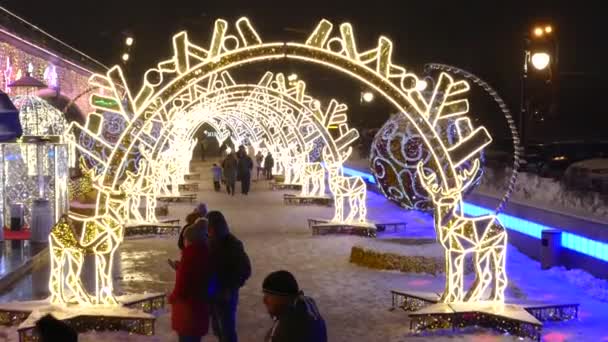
column 268, row 165
column 296, row 317
column 190, row 307
column 229, row 168
column 233, row 268
column 245, row 165
column 50, row 329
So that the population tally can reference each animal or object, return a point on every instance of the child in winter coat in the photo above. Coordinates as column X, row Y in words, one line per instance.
column 190, row 307
column 217, row 177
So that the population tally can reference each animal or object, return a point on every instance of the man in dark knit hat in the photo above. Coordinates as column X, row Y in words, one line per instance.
column 296, row 317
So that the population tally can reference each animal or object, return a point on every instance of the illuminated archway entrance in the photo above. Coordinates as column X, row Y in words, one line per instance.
column 195, row 75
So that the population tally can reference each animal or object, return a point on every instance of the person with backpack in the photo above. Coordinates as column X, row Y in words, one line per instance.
column 296, row 316
column 233, row 268
column 189, row 298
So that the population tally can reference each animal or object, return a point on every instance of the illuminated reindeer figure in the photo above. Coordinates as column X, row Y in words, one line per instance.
column 72, row 238
column 312, row 176
column 313, row 179
column 130, row 187
column 351, row 189
column 183, row 163
column 286, row 161
column 482, row 236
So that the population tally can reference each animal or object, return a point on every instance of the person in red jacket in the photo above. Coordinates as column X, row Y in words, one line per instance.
column 190, row 308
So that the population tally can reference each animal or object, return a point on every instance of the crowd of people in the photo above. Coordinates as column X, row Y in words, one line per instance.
column 212, row 269
column 239, row 166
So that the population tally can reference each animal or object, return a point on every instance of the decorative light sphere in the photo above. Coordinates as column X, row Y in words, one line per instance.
column 538, row 32
column 540, row 60
column 395, row 153
column 39, row 117
column 129, row 41
column 125, row 57
column 368, row 96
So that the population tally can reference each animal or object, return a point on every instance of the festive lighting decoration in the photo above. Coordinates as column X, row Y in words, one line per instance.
column 20, row 184
column 195, row 80
column 71, row 78
column 349, row 191
column 38, row 117
column 483, row 236
column 395, row 153
column 368, row 96
column 313, row 179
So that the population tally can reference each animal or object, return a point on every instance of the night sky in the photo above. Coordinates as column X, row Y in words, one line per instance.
column 484, row 37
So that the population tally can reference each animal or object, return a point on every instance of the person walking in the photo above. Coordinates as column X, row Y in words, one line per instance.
column 229, row 167
column 216, row 170
column 245, row 165
column 233, row 269
column 296, row 317
column 259, row 163
column 189, row 302
column 268, row 165
column 203, row 148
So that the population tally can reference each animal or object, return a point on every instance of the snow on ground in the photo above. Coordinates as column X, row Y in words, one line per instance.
column 354, row 300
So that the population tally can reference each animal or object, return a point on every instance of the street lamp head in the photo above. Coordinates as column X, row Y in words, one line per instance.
column 125, row 57
column 368, row 96
column 540, row 60
column 548, row 29
column 129, row 41
column 538, row 32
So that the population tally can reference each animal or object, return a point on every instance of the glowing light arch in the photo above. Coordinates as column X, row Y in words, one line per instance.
column 193, row 71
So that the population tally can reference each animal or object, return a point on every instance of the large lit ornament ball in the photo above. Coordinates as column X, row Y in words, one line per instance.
column 39, row 117
column 396, row 150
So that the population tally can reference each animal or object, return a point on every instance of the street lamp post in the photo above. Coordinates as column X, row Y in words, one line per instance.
column 540, row 63
column 129, row 41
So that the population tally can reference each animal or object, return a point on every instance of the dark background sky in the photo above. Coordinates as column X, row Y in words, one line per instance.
column 484, row 37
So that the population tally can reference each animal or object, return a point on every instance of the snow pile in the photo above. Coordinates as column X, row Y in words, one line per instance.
column 594, row 287
column 544, row 193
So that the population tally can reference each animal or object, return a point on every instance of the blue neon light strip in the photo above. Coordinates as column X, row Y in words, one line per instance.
column 577, row 243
